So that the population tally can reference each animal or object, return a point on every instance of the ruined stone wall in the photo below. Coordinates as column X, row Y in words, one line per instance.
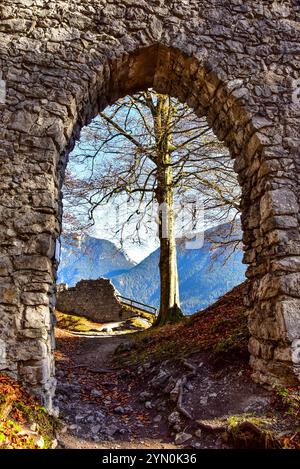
column 94, row 299
column 61, row 62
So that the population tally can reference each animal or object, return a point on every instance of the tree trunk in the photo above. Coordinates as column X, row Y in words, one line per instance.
column 169, row 311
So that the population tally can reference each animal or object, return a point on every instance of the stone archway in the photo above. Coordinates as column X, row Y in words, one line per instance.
column 63, row 63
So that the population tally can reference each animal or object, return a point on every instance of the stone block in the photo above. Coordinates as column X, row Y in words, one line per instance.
column 8, row 294
column 261, row 348
column 288, row 312
column 33, row 262
column 268, row 287
column 271, row 285
column 278, row 202
column 37, row 317
column 296, row 351
column 31, row 350
column 283, row 354
column 5, row 266
column 3, row 361
column 286, row 264
column 279, row 222
column 22, row 121
column 290, row 284
column 43, row 244
column 273, row 373
column 37, row 333
column 36, row 223
column 37, row 374
column 34, row 298
column 254, row 346
column 265, row 328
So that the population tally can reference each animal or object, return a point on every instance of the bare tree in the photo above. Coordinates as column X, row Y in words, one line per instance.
column 146, row 148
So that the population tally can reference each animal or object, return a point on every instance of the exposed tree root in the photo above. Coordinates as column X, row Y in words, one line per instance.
column 180, row 398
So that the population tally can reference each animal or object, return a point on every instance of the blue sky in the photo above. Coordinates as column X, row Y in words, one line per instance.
column 110, row 215
column 105, row 219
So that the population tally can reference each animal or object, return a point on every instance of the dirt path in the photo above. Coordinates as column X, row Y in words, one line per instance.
column 96, row 402
column 108, row 407
column 96, row 351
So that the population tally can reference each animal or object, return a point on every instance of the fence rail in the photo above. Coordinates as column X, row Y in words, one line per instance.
column 138, row 305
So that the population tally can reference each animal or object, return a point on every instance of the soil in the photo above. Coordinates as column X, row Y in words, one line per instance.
column 118, row 418
column 91, row 421
column 186, row 385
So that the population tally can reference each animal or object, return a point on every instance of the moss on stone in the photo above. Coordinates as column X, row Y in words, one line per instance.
column 253, row 432
column 23, row 422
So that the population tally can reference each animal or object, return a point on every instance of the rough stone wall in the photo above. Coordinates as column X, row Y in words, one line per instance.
column 237, row 62
column 94, row 299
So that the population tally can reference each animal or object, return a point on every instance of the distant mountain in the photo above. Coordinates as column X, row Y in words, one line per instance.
column 90, row 258
column 205, row 274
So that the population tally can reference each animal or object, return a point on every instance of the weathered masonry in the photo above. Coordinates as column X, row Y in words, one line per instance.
column 61, row 62
column 94, row 299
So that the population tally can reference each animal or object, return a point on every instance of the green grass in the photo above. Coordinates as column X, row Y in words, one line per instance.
column 18, row 413
column 290, row 398
column 137, row 313
column 220, row 328
column 137, row 322
column 76, row 323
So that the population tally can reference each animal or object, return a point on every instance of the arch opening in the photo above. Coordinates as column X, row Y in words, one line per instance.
column 113, row 181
